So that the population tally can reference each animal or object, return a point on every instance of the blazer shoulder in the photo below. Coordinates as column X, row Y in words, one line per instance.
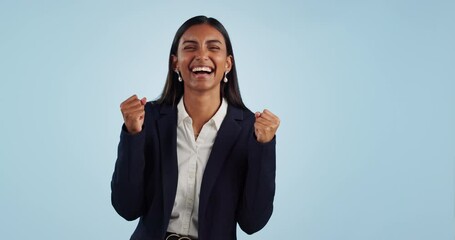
column 155, row 109
column 248, row 115
column 239, row 113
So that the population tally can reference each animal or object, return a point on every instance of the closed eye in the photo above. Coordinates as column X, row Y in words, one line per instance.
column 189, row 48
column 214, row 48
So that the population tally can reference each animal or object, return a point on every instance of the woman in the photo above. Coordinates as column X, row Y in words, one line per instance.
column 196, row 162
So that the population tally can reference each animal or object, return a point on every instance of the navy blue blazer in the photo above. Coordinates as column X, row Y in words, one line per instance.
column 238, row 184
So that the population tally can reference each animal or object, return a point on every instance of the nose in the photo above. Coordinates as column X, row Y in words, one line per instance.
column 202, row 54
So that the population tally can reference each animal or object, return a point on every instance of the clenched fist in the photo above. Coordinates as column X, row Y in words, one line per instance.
column 265, row 126
column 133, row 113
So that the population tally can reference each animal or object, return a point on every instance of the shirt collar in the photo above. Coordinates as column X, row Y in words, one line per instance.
column 181, row 112
column 217, row 118
column 220, row 114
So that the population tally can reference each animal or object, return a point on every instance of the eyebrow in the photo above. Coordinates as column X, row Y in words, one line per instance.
column 214, row 41
column 195, row 42
column 189, row 41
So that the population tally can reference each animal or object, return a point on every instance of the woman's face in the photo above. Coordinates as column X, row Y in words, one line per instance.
column 202, row 58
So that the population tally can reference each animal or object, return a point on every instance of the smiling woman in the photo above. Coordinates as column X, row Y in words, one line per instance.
column 202, row 61
column 196, row 162
column 219, row 42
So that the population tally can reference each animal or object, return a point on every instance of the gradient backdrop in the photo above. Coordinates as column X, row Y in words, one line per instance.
column 365, row 91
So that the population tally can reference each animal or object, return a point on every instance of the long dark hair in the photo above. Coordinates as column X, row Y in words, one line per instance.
column 173, row 89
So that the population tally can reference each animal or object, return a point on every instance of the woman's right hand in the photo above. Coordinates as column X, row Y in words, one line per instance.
column 133, row 113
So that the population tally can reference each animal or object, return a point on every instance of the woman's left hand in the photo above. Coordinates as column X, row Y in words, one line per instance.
column 265, row 126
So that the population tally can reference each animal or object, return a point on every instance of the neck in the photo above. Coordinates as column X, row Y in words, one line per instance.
column 201, row 107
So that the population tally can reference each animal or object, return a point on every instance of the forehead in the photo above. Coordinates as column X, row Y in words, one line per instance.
column 202, row 33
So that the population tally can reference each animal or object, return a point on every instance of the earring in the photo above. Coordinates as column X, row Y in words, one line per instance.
column 225, row 78
column 178, row 73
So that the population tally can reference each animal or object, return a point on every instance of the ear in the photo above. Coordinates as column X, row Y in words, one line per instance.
column 174, row 61
column 229, row 61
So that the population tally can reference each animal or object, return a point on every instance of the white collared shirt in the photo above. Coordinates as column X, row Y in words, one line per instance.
column 192, row 157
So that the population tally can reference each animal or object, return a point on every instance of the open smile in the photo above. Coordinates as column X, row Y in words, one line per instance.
column 202, row 72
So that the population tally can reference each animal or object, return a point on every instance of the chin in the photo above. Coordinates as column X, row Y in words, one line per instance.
column 204, row 86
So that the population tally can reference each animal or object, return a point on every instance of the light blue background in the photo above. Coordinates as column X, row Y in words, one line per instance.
column 364, row 89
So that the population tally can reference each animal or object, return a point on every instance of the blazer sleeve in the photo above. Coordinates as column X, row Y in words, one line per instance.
column 127, row 183
column 259, row 188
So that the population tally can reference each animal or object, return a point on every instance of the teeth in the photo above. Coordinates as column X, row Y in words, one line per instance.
column 202, row 69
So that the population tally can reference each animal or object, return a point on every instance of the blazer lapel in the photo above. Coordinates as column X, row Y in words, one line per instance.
column 226, row 137
column 167, row 133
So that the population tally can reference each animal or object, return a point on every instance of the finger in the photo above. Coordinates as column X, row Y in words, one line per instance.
column 270, row 121
column 132, row 101
column 133, row 107
column 259, row 132
column 266, row 122
column 268, row 130
column 134, row 115
column 257, row 114
column 268, row 112
column 129, row 99
column 270, row 116
column 262, row 127
column 263, row 135
column 143, row 100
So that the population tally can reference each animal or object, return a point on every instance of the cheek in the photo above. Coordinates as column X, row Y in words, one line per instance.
column 183, row 60
column 220, row 62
